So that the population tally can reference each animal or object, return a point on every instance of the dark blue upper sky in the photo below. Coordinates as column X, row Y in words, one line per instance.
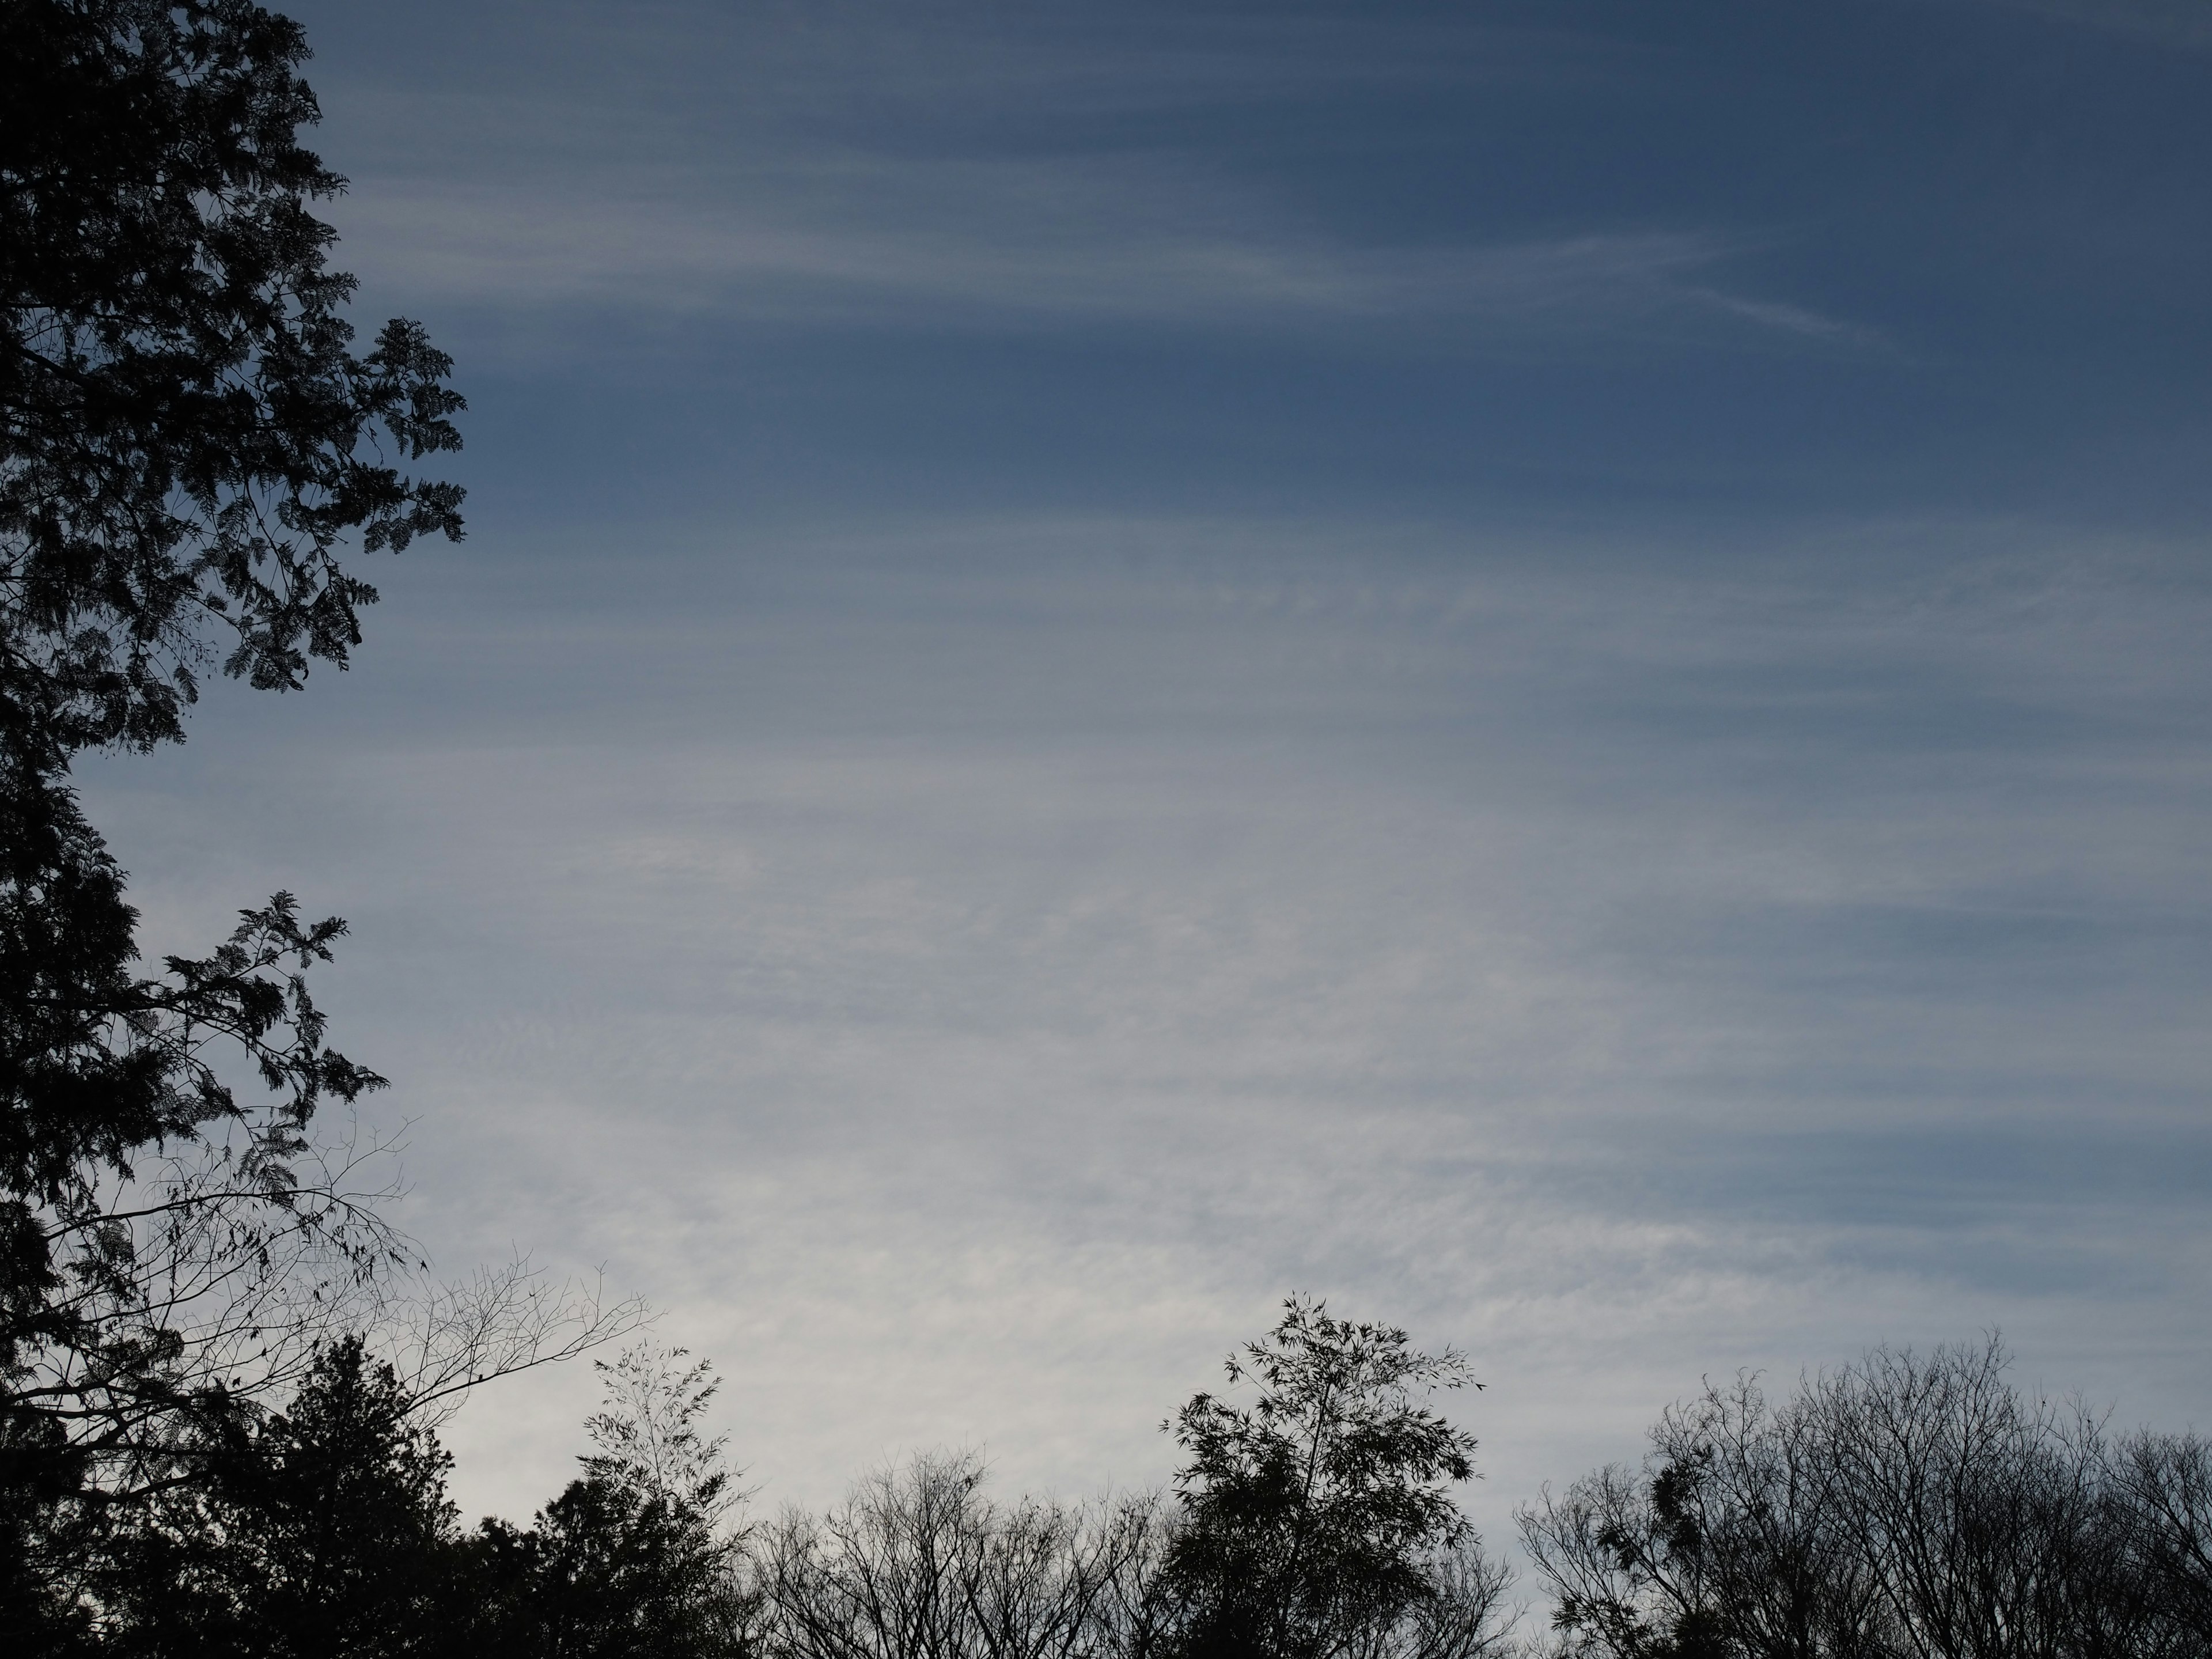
column 1708, row 259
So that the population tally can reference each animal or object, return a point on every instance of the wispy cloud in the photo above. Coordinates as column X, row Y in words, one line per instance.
column 855, row 168
column 1019, row 244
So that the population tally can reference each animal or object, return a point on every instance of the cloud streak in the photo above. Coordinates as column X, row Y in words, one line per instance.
column 1021, row 247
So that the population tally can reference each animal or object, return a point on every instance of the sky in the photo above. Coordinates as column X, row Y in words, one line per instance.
column 1539, row 669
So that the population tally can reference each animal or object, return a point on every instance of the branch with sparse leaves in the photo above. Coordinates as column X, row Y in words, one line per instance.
column 444, row 1340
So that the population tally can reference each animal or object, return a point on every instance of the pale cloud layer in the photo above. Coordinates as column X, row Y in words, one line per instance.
column 970, row 970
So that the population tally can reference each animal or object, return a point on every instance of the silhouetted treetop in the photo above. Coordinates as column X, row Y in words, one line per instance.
column 1316, row 1513
column 1906, row 1507
column 185, row 431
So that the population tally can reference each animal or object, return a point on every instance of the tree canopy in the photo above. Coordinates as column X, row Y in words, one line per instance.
column 189, row 447
column 186, row 438
column 1317, row 1514
column 1909, row 1504
column 186, row 433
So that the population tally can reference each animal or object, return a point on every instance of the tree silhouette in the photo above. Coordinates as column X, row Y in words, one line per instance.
column 186, row 434
column 1906, row 1505
column 1312, row 1516
column 324, row 1530
column 636, row 1558
column 186, row 437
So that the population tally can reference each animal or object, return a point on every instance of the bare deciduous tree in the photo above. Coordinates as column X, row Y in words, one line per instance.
column 1920, row 1507
column 918, row 1563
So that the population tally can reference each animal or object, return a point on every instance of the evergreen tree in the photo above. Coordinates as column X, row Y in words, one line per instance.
column 636, row 1557
column 187, row 440
column 323, row 1530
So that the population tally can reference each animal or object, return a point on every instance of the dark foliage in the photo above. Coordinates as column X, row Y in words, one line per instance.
column 1311, row 1516
column 326, row 1529
column 632, row 1561
column 606, row 1571
column 2162, row 1483
column 323, row 1530
column 166, row 1245
column 186, row 437
column 185, row 433
column 1900, row 1507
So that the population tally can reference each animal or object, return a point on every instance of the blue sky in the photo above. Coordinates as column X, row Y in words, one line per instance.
column 1541, row 668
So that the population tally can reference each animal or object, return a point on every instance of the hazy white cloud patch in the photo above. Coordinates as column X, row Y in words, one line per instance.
column 967, row 980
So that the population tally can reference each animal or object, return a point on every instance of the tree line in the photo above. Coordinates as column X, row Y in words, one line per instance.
column 223, row 1372
column 1315, row 1518
column 1906, row 1507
